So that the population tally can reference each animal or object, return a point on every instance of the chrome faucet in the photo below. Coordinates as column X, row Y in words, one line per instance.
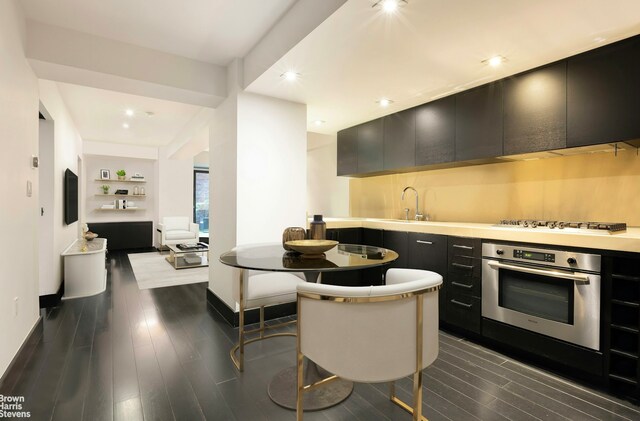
column 419, row 216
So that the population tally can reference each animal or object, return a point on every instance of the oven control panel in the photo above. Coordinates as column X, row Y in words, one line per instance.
column 534, row 255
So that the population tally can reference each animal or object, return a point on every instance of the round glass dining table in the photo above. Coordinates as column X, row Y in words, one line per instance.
column 273, row 257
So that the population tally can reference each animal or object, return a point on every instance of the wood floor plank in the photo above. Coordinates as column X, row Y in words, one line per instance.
column 99, row 404
column 153, row 393
column 70, row 401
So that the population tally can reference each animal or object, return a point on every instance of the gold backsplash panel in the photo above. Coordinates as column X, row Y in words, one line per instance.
column 593, row 187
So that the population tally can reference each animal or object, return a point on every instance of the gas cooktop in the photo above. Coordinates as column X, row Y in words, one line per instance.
column 535, row 223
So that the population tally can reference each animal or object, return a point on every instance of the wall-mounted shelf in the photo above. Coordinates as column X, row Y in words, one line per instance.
column 120, row 210
column 110, row 180
column 142, row 196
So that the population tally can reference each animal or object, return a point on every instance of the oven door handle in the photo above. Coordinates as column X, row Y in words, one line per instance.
column 579, row 277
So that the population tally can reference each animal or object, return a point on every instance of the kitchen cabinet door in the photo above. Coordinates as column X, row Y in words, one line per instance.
column 436, row 131
column 370, row 146
column 372, row 237
column 400, row 140
column 603, row 94
column 479, row 123
column 348, row 151
column 535, row 110
column 397, row 241
column 428, row 252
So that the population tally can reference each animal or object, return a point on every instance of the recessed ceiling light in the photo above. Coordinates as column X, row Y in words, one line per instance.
column 319, row 122
column 125, row 125
column 390, row 6
column 290, row 75
column 129, row 112
column 384, row 102
column 494, row 61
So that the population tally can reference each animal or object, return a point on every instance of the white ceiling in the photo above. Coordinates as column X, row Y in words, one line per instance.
column 215, row 31
column 99, row 115
column 432, row 48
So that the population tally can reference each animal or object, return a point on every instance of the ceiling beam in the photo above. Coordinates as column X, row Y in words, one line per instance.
column 298, row 22
column 69, row 56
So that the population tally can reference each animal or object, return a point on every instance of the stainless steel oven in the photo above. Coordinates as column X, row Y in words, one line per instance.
column 551, row 292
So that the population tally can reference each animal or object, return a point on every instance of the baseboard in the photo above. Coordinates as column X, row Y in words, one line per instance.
column 26, row 340
column 250, row 316
column 52, row 300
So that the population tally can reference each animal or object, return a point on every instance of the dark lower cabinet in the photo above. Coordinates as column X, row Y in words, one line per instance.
column 479, row 123
column 372, row 237
column 621, row 314
column 348, row 151
column 535, row 110
column 125, row 235
column 436, row 131
column 463, row 310
column 603, row 94
column 428, row 252
column 463, row 283
column 400, row 140
column 397, row 241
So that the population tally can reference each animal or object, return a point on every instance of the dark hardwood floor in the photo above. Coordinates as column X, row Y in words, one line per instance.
column 162, row 354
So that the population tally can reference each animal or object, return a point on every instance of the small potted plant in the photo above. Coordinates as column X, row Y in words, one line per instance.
column 105, row 188
column 121, row 174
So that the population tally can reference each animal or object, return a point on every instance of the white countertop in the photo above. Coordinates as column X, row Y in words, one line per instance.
column 625, row 241
column 96, row 245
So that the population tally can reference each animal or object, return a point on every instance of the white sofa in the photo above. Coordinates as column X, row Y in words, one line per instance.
column 177, row 230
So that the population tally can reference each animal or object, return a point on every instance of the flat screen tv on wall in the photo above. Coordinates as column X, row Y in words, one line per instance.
column 70, row 197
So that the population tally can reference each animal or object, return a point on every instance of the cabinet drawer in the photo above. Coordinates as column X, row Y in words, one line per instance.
column 465, row 246
column 463, row 311
column 464, row 284
column 428, row 252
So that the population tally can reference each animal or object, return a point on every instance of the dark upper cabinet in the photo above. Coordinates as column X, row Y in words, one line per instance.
column 398, row 242
column 535, row 110
column 400, row 140
column 479, row 122
column 370, row 146
column 436, row 131
column 348, row 151
column 603, row 94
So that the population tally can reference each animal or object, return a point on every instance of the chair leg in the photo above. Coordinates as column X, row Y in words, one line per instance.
column 261, row 322
column 417, row 396
column 299, row 369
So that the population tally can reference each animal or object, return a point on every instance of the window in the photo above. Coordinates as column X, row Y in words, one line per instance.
column 201, row 200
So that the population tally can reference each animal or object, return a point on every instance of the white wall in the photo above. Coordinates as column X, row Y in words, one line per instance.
column 175, row 187
column 18, row 213
column 223, row 195
column 272, row 167
column 327, row 194
column 67, row 149
column 262, row 191
column 201, row 160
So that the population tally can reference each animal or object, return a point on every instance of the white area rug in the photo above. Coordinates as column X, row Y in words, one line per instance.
column 153, row 271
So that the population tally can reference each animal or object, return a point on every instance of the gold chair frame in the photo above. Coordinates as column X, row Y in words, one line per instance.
column 238, row 362
column 416, row 409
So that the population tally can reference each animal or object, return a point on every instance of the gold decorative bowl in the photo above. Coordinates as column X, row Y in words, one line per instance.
column 311, row 247
column 90, row 235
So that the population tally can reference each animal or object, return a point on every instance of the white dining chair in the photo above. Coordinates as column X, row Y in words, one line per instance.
column 257, row 289
column 370, row 334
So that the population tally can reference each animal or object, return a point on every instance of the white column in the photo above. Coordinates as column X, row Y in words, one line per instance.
column 258, row 183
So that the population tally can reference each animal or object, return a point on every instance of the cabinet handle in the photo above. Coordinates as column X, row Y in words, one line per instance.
column 458, row 246
column 458, row 284
column 424, row 242
column 458, row 303
column 460, row 265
